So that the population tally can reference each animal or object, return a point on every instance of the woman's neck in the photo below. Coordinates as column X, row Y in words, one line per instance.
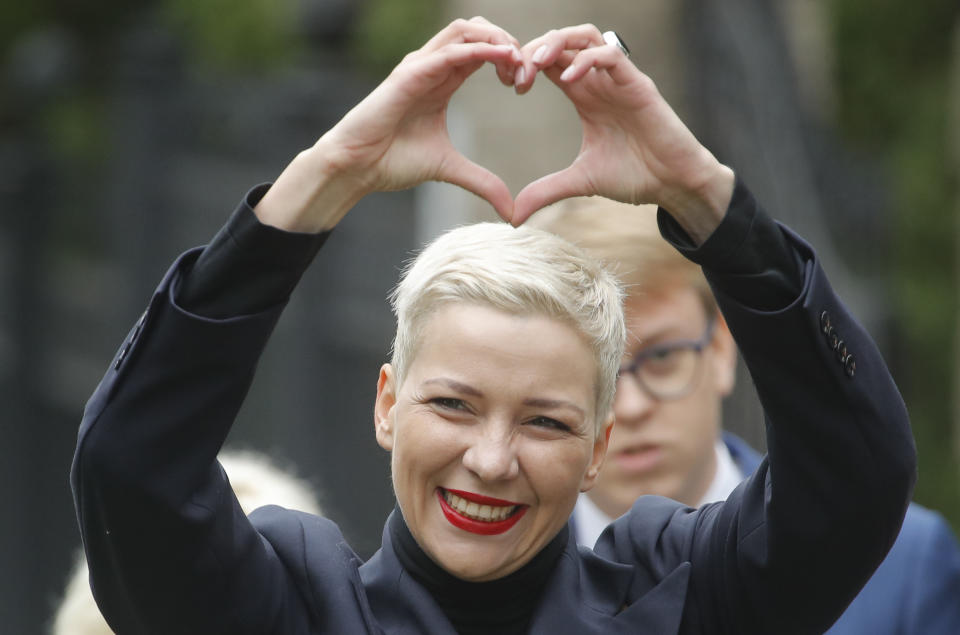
column 505, row 605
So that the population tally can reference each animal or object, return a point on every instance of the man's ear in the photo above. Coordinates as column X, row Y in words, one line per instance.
column 383, row 407
column 599, row 453
column 724, row 357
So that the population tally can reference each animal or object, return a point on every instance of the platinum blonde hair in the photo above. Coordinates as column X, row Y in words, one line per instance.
column 521, row 271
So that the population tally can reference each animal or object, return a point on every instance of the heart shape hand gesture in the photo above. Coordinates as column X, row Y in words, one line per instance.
column 634, row 147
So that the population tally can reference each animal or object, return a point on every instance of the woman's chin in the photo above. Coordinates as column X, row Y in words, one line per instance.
column 475, row 563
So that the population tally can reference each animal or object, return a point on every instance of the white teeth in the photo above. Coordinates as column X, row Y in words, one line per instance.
column 486, row 513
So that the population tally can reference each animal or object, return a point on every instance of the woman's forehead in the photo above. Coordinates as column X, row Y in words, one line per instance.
column 472, row 341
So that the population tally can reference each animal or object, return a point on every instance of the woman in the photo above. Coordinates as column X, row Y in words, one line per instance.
column 496, row 403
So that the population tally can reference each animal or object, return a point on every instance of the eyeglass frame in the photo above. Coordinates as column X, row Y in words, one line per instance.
column 637, row 360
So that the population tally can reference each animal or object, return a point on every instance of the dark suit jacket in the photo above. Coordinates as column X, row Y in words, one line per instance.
column 915, row 590
column 170, row 551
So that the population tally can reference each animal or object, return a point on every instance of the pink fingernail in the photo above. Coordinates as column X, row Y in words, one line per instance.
column 520, row 76
column 568, row 73
column 539, row 54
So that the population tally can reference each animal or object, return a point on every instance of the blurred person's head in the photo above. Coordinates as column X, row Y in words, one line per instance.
column 256, row 480
column 679, row 363
column 496, row 404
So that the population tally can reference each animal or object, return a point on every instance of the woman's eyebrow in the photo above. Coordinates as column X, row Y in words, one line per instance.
column 536, row 402
column 455, row 385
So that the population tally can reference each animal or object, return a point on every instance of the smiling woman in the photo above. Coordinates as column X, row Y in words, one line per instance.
column 496, row 405
column 494, row 421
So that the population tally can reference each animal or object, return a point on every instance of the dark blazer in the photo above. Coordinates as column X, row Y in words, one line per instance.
column 915, row 590
column 170, row 551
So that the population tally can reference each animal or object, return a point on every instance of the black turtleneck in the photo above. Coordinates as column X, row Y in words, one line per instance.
column 503, row 606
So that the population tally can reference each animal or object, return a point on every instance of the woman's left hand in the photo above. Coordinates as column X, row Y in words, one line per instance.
column 634, row 148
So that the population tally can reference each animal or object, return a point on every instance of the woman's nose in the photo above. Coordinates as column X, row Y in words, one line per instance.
column 492, row 456
column 632, row 404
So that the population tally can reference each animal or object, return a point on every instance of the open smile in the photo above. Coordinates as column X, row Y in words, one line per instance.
column 479, row 514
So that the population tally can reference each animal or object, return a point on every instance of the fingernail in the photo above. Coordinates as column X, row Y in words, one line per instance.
column 520, row 76
column 539, row 54
column 568, row 73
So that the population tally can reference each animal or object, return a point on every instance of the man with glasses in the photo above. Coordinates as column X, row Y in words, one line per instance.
column 668, row 438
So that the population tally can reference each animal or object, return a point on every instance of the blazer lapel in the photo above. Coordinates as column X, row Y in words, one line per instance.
column 660, row 609
column 590, row 594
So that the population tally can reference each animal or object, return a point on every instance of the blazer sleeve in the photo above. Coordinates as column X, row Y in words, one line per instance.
column 796, row 541
column 169, row 548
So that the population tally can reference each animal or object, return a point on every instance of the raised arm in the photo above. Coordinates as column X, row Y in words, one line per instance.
column 169, row 549
column 793, row 544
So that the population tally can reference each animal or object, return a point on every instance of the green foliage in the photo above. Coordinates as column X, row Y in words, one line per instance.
column 227, row 34
column 388, row 30
column 892, row 71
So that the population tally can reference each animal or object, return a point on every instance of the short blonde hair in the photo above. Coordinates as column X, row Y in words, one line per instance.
column 626, row 238
column 517, row 270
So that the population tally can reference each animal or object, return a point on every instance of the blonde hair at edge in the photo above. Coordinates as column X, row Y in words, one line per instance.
column 520, row 271
column 255, row 479
column 626, row 238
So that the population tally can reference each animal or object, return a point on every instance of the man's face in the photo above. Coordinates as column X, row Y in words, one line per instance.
column 666, row 446
column 492, row 434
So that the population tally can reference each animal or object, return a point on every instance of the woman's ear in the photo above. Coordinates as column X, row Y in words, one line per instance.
column 599, row 454
column 383, row 407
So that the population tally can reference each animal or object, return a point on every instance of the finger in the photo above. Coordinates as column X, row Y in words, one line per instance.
column 509, row 38
column 607, row 58
column 548, row 189
column 506, row 73
column 474, row 30
column 461, row 171
column 456, row 55
column 543, row 52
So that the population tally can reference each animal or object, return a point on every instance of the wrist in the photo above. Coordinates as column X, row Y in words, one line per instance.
column 311, row 195
column 700, row 204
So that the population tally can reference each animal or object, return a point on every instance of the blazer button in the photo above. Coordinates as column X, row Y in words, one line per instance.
column 833, row 339
column 824, row 321
column 841, row 351
column 850, row 365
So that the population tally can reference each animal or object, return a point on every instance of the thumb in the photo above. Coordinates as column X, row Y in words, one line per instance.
column 546, row 190
column 461, row 171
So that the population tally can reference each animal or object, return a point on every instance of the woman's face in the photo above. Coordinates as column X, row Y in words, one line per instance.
column 492, row 436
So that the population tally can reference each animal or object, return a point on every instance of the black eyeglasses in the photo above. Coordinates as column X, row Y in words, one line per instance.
column 669, row 370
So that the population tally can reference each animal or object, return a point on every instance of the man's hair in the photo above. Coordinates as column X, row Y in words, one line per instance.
column 521, row 271
column 627, row 240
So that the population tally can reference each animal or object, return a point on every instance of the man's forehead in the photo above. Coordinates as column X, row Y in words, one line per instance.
column 664, row 309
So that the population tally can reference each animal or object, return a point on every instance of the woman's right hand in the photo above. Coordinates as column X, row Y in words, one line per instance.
column 397, row 136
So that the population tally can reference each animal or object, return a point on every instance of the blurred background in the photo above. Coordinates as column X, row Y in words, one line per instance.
column 130, row 130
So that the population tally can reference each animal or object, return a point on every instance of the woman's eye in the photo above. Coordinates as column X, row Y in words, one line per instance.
column 448, row 403
column 547, row 422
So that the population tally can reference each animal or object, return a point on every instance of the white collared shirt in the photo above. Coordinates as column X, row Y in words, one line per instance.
column 591, row 522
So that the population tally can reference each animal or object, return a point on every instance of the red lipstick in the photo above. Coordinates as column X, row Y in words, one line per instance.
column 482, row 527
